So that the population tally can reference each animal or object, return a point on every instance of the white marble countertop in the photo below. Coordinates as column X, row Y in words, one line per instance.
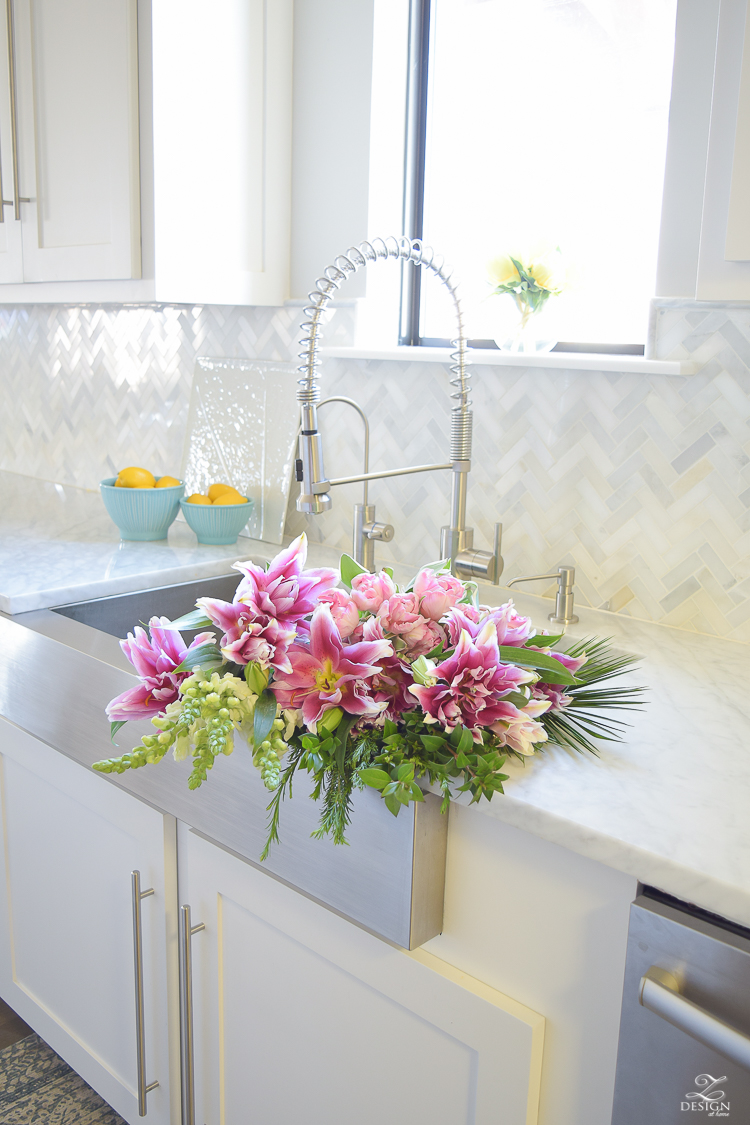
column 669, row 805
column 58, row 545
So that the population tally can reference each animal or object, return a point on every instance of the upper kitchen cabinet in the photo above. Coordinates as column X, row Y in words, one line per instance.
column 152, row 150
column 73, row 182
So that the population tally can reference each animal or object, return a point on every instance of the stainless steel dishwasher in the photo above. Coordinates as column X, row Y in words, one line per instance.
column 685, row 1027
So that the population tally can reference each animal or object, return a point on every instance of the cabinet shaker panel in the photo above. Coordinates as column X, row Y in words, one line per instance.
column 70, row 842
column 76, row 79
column 308, row 1018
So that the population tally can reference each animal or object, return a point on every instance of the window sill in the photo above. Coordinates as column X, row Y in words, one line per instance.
column 481, row 357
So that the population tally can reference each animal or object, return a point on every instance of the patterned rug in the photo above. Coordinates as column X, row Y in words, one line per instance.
column 38, row 1088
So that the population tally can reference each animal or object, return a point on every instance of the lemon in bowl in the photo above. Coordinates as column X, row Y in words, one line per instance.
column 141, row 505
column 218, row 517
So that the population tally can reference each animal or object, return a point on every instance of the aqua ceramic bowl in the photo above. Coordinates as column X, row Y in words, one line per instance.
column 142, row 513
column 216, row 523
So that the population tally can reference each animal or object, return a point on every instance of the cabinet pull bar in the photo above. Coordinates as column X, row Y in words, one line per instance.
column 188, row 1070
column 13, row 111
column 140, row 1034
column 660, row 992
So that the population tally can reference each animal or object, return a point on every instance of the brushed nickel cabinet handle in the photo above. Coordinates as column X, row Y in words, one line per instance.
column 17, row 199
column 140, row 1034
column 188, row 1070
column 660, row 992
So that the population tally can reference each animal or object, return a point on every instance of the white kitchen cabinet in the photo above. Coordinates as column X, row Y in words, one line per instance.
column 70, row 152
column 300, row 1016
column 71, row 841
column 154, row 149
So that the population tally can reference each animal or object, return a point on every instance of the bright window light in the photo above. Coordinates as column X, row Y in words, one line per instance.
column 547, row 122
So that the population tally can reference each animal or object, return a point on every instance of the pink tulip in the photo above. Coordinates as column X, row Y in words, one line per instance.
column 249, row 635
column 155, row 660
column 330, row 674
column 343, row 610
column 284, row 591
column 369, row 591
column 437, row 593
column 471, row 684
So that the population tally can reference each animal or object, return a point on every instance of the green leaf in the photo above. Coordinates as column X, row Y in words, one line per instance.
column 263, row 716
column 114, row 727
column 432, row 743
column 205, row 656
column 389, row 571
column 392, row 804
column 389, row 728
column 377, row 779
column 405, row 772
column 466, row 742
column 350, row 569
column 527, row 658
column 196, row 619
column 544, row 641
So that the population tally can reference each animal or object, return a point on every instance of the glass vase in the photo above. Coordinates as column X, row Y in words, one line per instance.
column 525, row 331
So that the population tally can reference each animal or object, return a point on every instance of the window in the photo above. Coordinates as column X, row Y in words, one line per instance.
column 539, row 120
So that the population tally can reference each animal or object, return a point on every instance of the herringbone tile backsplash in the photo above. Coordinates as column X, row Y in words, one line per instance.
column 641, row 481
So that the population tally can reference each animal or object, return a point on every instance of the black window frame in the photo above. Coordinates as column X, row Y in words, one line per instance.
column 417, row 109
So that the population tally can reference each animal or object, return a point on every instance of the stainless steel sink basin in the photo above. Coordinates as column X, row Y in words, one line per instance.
column 117, row 615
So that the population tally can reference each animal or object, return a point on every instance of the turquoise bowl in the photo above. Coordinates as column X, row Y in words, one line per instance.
column 142, row 513
column 216, row 523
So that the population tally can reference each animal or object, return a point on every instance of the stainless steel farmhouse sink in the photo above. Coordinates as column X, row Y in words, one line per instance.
column 119, row 613
column 390, row 879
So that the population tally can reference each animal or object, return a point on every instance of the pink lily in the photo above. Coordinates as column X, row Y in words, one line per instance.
column 248, row 635
column 471, row 684
column 155, row 659
column 330, row 674
column 284, row 591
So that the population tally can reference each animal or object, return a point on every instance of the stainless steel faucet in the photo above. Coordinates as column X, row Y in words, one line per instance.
column 456, row 539
column 565, row 576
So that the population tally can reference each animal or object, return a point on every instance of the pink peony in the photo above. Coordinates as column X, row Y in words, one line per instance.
column 437, row 593
column 330, row 674
column 155, row 660
column 284, row 591
column 471, row 684
column 369, row 591
column 249, row 635
column 343, row 610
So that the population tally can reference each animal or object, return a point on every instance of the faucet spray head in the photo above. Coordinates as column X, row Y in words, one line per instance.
column 313, row 498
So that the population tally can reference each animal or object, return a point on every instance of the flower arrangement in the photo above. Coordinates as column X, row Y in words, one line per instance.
column 362, row 683
column 530, row 278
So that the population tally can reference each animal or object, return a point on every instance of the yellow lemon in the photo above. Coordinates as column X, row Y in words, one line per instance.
column 167, row 482
column 198, row 498
column 230, row 496
column 216, row 490
column 133, row 477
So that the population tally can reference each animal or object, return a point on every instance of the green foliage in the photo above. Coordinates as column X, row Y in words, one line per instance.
column 114, row 727
column 551, row 670
column 196, row 619
column 263, row 716
column 350, row 569
column 587, row 718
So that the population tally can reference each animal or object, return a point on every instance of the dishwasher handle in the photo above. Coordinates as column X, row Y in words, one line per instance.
column 659, row 991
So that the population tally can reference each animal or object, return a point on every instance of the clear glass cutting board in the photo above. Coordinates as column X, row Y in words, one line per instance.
column 242, row 429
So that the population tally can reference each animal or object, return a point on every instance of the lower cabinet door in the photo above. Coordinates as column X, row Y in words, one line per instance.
column 300, row 1016
column 67, row 944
